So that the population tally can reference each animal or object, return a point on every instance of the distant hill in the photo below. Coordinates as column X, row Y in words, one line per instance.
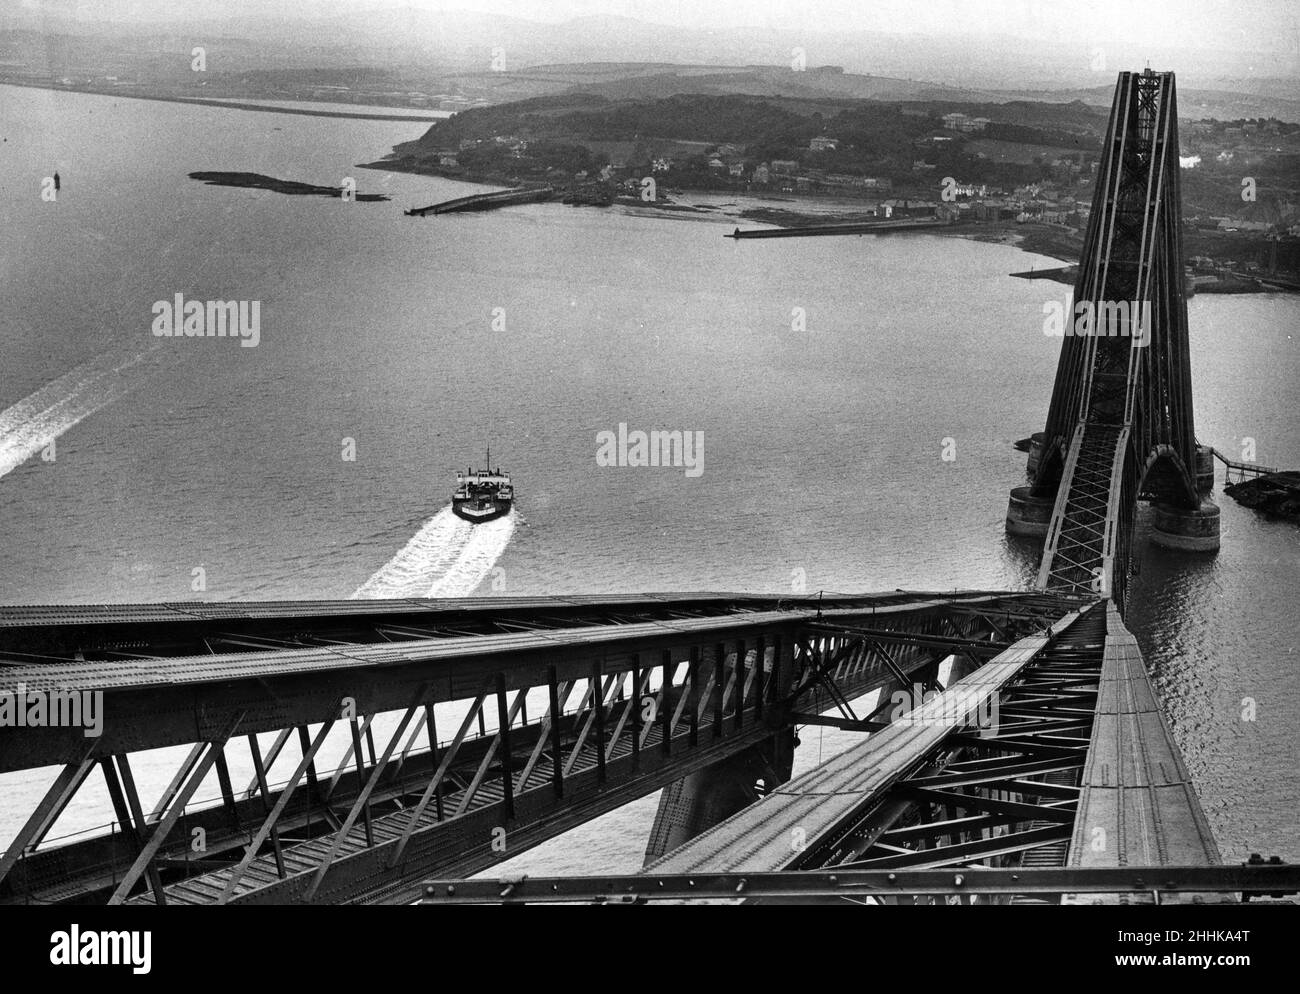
column 872, row 137
column 651, row 80
column 589, row 110
column 491, row 58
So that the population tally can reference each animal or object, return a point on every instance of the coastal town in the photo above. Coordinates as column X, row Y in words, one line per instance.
column 1027, row 177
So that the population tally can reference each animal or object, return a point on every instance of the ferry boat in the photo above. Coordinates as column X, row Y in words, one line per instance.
column 482, row 495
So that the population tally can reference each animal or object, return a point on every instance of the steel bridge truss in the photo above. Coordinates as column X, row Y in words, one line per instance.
column 1120, row 425
column 1051, row 755
column 324, row 725
column 1001, row 789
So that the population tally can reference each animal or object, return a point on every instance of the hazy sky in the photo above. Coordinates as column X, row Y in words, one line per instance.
column 1194, row 24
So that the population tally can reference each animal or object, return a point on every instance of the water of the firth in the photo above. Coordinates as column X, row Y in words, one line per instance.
column 822, row 452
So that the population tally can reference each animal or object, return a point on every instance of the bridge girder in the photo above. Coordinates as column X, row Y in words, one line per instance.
column 626, row 696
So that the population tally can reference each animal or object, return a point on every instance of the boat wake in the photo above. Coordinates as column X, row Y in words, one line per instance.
column 38, row 419
column 447, row 557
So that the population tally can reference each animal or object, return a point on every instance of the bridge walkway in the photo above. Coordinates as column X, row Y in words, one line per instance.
column 1080, row 535
column 1082, row 771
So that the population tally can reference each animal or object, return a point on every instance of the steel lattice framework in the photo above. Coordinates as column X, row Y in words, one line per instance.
column 1050, row 755
column 1120, row 422
column 561, row 708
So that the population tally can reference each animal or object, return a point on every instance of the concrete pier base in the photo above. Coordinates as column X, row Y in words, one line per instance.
column 1188, row 530
column 700, row 800
column 1204, row 470
column 1028, row 514
column 1035, row 452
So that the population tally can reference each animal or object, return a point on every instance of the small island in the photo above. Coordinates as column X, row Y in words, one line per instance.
column 259, row 182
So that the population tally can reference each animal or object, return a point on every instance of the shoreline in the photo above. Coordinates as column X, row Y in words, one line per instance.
column 226, row 103
column 1050, row 242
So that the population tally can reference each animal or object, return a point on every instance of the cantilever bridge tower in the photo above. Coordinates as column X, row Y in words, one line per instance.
column 1119, row 427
